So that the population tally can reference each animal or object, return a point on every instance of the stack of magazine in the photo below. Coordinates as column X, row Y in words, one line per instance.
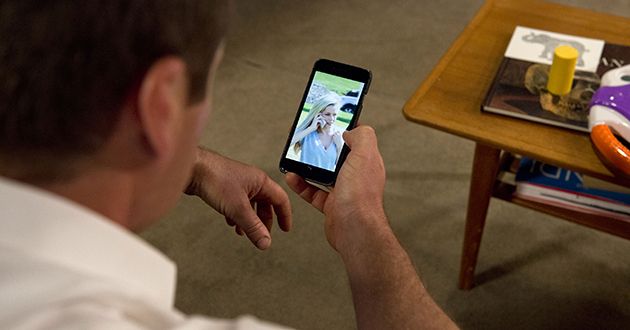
column 547, row 184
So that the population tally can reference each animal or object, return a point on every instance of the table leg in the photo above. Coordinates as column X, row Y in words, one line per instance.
column 484, row 172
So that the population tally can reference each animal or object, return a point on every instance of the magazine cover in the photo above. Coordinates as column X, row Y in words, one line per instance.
column 553, row 185
column 519, row 88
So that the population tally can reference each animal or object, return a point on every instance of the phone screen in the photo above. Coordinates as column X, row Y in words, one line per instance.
column 331, row 105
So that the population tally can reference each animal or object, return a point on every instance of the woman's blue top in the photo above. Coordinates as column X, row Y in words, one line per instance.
column 314, row 153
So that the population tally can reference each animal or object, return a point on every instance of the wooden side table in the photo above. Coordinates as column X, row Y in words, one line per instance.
column 451, row 97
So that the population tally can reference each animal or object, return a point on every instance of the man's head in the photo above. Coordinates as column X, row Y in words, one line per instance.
column 67, row 68
column 103, row 99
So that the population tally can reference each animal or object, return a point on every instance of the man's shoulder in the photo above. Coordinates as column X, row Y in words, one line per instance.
column 44, row 294
column 38, row 294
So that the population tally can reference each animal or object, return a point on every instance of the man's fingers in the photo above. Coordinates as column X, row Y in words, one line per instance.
column 272, row 194
column 265, row 214
column 248, row 223
column 296, row 183
column 254, row 218
column 284, row 217
column 311, row 194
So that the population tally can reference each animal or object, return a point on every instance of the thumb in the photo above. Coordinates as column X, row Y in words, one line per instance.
column 360, row 137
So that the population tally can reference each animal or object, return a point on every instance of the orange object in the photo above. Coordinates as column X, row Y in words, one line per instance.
column 615, row 154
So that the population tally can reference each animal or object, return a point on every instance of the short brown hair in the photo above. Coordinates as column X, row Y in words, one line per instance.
column 67, row 67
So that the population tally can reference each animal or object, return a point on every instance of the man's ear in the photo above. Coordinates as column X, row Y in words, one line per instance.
column 162, row 97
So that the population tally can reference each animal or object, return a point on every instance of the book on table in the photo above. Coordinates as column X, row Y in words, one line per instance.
column 547, row 184
column 519, row 87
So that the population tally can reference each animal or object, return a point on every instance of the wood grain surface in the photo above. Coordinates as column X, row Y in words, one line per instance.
column 450, row 98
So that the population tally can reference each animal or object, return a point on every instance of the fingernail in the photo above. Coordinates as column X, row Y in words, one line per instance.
column 263, row 243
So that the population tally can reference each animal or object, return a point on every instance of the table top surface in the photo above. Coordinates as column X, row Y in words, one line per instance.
column 450, row 98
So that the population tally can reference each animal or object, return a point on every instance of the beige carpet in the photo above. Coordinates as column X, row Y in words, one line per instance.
column 535, row 272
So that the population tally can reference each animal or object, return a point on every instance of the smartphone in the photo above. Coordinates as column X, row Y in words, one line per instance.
column 331, row 104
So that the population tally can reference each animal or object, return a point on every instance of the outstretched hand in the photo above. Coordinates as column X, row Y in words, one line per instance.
column 244, row 194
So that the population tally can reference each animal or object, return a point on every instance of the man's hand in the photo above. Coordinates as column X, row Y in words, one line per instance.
column 355, row 204
column 386, row 289
column 244, row 194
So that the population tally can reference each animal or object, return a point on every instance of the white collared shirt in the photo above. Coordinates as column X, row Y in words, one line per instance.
column 63, row 266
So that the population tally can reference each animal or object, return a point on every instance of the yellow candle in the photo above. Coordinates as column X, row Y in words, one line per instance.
column 562, row 70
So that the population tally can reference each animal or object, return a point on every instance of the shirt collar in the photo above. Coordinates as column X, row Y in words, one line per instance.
column 58, row 230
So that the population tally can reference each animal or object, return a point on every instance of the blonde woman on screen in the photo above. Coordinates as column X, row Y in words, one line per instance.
column 317, row 136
